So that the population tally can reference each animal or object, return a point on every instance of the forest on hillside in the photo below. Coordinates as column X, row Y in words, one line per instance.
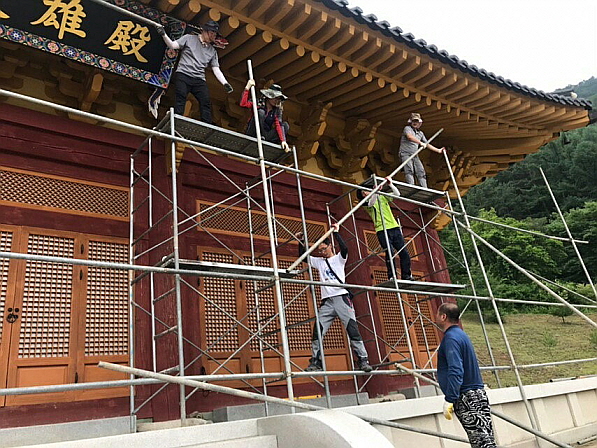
column 519, row 197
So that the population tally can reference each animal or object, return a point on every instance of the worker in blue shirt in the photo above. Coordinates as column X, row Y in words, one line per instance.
column 460, row 379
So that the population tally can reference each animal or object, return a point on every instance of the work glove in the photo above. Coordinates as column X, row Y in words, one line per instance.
column 250, row 83
column 448, row 410
column 285, row 146
column 161, row 30
column 228, row 88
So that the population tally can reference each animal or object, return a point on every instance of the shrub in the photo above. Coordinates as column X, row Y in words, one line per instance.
column 560, row 311
column 593, row 338
column 549, row 340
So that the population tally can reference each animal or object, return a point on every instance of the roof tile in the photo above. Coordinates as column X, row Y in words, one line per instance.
column 397, row 33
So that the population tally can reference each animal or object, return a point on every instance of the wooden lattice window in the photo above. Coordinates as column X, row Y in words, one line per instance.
column 297, row 310
column 235, row 220
column 107, row 302
column 47, row 297
column 390, row 313
column 373, row 245
column 5, row 246
column 221, row 328
column 265, row 299
column 423, row 325
column 62, row 194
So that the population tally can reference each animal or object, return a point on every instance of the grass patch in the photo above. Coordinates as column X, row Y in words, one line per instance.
column 536, row 338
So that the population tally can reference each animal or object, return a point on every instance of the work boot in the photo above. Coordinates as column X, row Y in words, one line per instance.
column 314, row 366
column 410, row 278
column 364, row 365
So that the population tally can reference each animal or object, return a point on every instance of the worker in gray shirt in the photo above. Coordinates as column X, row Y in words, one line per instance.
column 197, row 52
column 412, row 138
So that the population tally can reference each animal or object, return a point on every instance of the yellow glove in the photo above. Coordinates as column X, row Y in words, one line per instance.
column 250, row 83
column 448, row 410
column 285, row 147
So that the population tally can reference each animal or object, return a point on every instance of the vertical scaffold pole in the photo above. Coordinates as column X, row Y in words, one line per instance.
column 474, row 289
column 175, row 251
column 390, row 258
column 256, row 295
column 270, row 228
column 131, row 274
column 360, row 254
column 346, row 337
column 151, row 274
column 582, row 263
column 316, row 327
column 530, row 410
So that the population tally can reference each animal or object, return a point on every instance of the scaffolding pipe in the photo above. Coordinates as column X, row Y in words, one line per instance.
column 224, row 275
column 253, row 396
column 268, row 211
column 532, row 232
column 256, row 296
column 531, row 412
column 528, row 275
column 582, row 263
column 131, row 307
column 494, row 412
column 472, row 283
column 361, row 202
column 33, row 390
column 390, row 256
column 360, row 254
column 317, row 327
column 128, row 13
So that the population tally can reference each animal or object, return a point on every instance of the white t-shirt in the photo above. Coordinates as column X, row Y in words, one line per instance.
column 337, row 263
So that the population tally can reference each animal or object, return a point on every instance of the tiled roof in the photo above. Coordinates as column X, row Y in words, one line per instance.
column 400, row 36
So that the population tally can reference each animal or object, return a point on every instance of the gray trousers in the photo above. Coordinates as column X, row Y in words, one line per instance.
column 413, row 168
column 342, row 307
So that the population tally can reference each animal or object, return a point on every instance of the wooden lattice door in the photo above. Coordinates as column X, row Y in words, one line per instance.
column 8, row 313
column 423, row 336
column 61, row 322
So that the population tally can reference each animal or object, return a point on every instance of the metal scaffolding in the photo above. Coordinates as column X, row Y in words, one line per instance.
column 149, row 264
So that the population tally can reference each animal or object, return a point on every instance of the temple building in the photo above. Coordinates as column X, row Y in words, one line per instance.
column 80, row 154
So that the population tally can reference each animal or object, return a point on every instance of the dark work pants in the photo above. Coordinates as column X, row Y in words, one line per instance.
column 184, row 85
column 268, row 133
column 397, row 243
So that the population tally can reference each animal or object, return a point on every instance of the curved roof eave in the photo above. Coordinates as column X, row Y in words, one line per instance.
column 408, row 39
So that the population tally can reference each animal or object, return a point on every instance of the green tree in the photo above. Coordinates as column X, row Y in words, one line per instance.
column 534, row 253
column 582, row 222
column 570, row 164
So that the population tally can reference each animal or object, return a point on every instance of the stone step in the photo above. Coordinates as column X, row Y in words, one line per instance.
column 250, row 411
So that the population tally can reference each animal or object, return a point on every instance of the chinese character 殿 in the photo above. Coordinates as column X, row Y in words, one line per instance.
column 70, row 22
column 123, row 39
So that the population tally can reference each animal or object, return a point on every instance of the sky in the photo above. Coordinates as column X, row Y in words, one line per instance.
column 545, row 44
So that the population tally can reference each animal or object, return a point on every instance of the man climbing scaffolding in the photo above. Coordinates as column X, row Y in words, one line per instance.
column 335, row 301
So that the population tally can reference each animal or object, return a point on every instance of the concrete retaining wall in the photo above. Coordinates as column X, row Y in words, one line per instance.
column 566, row 410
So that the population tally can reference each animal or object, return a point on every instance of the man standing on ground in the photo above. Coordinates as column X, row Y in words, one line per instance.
column 412, row 138
column 379, row 208
column 460, row 380
column 196, row 54
column 335, row 301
